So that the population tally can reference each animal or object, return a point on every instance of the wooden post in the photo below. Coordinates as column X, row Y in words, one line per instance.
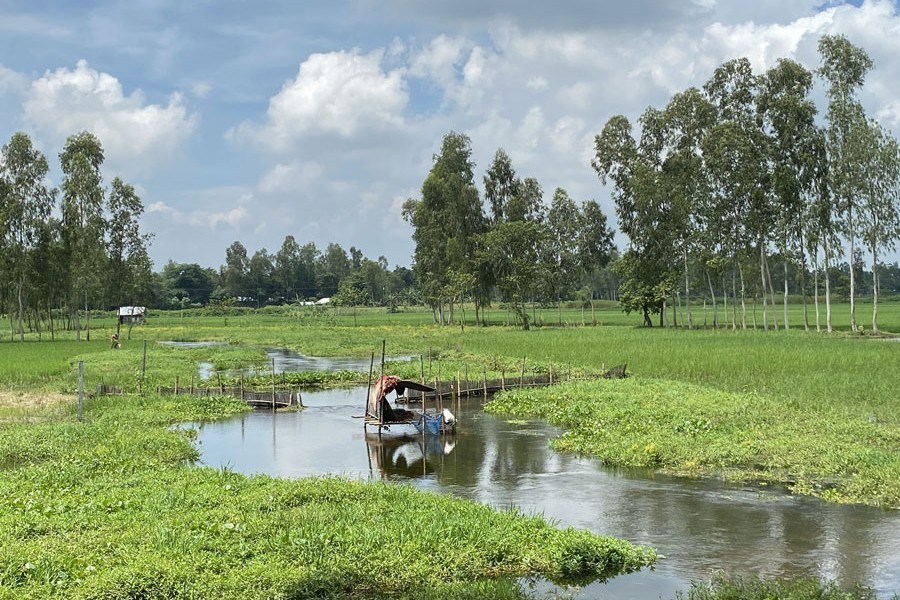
column 143, row 368
column 468, row 385
column 422, row 371
column 522, row 376
column 369, row 390
column 551, row 373
column 458, row 388
column 485, row 383
column 242, row 385
column 192, row 384
column 221, row 386
column 502, row 379
column 176, row 385
column 80, row 390
column 273, row 383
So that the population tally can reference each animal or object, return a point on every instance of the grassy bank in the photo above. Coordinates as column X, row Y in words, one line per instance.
column 109, row 508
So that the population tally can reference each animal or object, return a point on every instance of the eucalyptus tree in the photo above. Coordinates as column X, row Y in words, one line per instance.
column 259, row 276
column 844, row 68
column 82, row 220
column 447, row 219
column 595, row 244
column 686, row 119
column 307, row 276
column 500, row 185
column 644, row 206
column 737, row 163
column 128, row 269
column 820, row 229
column 619, row 160
column 286, row 269
column 25, row 204
column 560, row 254
column 788, row 114
column 331, row 267
column 879, row 215
column 235, row 274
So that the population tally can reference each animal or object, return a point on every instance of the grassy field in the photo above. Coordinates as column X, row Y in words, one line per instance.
column 812, row 411
column 111, row 508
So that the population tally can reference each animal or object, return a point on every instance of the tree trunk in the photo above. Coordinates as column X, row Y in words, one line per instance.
column 787, row 324
column 827, row 291
column 816, row 293
column 762, row 277
column 852, row 239
column 743, row 298
column 874, row 291
column 687, row 291
column 772, row 291
column 712, row 294
column 21, row 308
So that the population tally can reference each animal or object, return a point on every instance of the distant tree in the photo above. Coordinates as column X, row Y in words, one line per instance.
column 287, row 269
column 129, row 267
column 446, row 221
column 595, row 245
column 844, row 68
column 259, row 275
column 235, row 273
column 560, row 255
column 82, row 220
column 332, row 267
column 789, row 116
column 25, row 205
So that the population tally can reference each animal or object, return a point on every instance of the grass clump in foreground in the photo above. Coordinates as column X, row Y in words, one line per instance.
column 687, row 429
column 110, row 508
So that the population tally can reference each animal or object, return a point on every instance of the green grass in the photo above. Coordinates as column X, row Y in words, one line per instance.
column 110, row 508
column 722, row 588
column 812, row 411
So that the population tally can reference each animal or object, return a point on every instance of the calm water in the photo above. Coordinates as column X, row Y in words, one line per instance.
column 699, row 527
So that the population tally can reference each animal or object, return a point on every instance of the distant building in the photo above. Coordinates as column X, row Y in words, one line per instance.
column 132, row 314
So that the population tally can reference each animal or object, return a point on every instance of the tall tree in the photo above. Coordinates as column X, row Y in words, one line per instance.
column 879, row 214
column 235, row 273
column 595, row 244
column 128, row 269
column 737, row 162
column 446, row 219
column 25, row 205
column 82, row 220
column 560, row 253
column 844, row 67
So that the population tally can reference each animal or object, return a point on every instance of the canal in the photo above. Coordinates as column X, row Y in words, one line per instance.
column 700, row 527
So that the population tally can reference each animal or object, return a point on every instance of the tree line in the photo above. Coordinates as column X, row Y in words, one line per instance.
column 511, row 246
column 65, row 250
column 726, row 181
column 293, row 274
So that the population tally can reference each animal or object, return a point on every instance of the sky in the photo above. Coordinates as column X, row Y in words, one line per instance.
column 251, row 121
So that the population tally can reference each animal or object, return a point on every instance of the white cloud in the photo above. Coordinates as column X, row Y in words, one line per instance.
column 339, row 93
column 293, row 176
column 64, row 102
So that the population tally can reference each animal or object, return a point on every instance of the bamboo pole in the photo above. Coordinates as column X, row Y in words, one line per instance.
column 369, row 389
column 273, row 383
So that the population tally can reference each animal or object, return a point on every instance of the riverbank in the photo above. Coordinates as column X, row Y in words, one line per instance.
column 694, row 431
column 110, row 507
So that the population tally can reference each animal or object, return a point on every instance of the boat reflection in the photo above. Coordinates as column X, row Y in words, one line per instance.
column 407, row 456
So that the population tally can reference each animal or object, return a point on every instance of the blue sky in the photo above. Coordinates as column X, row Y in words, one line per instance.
column 253, row 121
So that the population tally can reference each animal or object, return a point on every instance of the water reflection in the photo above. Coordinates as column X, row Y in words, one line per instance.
column 700, row 526
column 407, row 456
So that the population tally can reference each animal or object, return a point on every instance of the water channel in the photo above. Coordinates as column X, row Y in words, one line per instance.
column 699, row 526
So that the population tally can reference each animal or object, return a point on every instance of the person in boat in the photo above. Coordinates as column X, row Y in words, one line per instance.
column 378, row 398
